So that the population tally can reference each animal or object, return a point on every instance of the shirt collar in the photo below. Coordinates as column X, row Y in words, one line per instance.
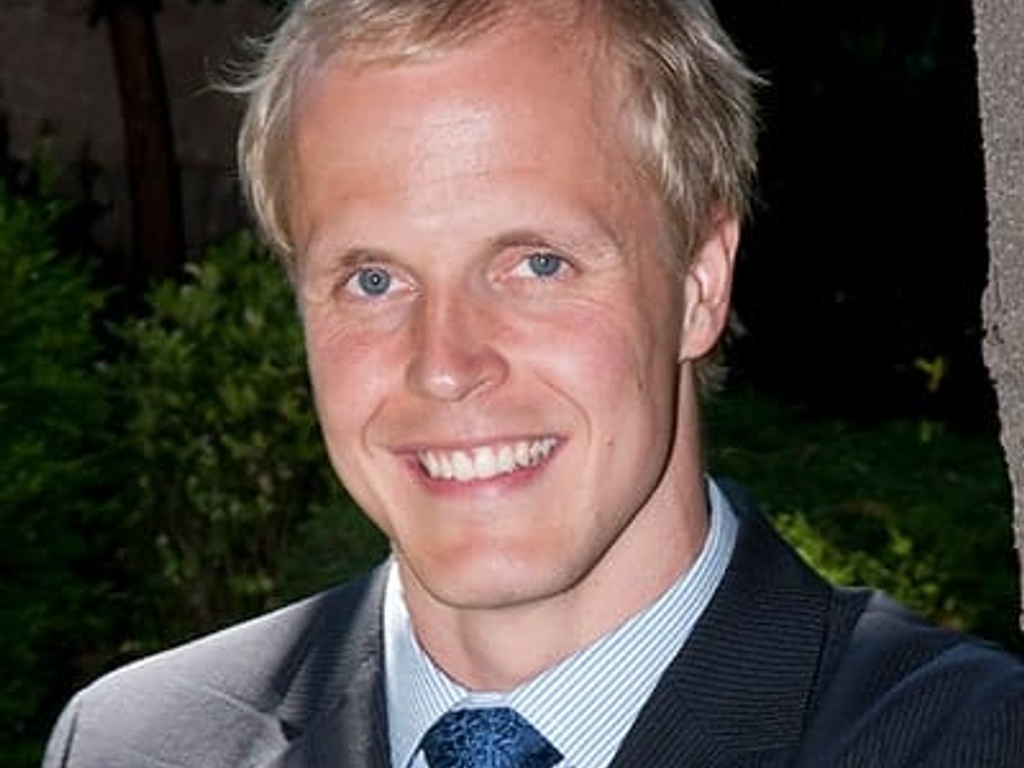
column 584, row 705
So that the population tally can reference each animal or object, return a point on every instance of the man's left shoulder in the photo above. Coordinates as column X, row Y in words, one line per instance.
column 896, row 649
column 905, row 692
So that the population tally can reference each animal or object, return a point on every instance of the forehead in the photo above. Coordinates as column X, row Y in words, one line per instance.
column 527, row 98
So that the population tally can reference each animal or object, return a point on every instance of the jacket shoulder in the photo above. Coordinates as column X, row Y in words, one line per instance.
column 902, row 691
column 222, row 697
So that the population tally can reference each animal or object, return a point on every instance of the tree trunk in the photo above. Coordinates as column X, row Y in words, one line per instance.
column 999, row 26
column 153, row 175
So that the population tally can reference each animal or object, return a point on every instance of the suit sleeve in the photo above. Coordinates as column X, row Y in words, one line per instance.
column 988, row 733
column 58, row 747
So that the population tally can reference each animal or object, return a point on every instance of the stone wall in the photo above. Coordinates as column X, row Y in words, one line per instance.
column 56, row 76
column 1000, row 30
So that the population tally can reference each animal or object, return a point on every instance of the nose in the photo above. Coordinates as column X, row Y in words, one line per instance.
column 455, row 352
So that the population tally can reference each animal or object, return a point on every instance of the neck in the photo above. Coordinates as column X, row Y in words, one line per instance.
column 498, row 650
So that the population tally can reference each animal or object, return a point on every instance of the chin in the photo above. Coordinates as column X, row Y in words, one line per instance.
column 490, row 583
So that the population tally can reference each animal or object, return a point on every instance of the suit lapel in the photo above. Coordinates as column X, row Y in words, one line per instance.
column 737, row 694
column 333, row 705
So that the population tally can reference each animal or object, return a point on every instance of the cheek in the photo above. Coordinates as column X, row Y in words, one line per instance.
column 346, row 376
column 621, row 377
column 626, row 353
column 346, row 371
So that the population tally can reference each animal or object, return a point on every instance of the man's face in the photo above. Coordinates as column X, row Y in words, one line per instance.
column 492, row 318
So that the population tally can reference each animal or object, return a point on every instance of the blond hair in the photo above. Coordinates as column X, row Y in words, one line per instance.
column 691, row 97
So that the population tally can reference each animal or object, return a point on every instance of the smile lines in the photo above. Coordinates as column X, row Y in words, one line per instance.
column 486, row 461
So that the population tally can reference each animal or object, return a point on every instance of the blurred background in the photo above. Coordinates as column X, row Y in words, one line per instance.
column 163, row 472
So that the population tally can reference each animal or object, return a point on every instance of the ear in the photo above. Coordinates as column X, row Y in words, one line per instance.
column 707, row 286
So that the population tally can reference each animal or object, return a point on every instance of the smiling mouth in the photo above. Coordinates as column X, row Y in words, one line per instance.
column 486, row 461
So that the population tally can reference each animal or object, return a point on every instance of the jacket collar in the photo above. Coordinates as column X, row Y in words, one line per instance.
column 333, row 705
column 738, row 692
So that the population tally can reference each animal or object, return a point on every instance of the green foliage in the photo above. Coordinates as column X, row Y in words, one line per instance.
column 53, row 416
column 228, row 458
column 924, row 514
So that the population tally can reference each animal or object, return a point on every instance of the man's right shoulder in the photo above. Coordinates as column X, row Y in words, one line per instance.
column 224, row 696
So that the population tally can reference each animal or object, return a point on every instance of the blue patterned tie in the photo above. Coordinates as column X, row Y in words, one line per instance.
column 497, row 737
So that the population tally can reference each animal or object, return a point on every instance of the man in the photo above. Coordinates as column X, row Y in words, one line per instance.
column 511, row 229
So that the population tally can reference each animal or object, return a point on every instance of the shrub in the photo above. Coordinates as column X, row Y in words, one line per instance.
column 53, row 410
column 228, row 459
column 911, row 508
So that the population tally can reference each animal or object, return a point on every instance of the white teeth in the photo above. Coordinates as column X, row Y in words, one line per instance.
column 522, row 450
column 431, row 464
column 485, row 461
column 463, row 466
column 506, row 459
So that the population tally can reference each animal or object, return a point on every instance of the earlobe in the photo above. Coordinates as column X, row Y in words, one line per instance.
column 707, row 287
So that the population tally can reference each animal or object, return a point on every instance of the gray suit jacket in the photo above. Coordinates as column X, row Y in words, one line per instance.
column 781, row 670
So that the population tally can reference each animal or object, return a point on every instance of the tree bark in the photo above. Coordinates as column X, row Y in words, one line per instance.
column 999, row 28
column 150, row 162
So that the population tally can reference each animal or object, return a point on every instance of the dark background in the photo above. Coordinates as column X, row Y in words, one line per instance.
column 861, row 273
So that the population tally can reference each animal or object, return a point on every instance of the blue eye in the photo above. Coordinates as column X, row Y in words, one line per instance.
column 545, row 264
column 373, row 281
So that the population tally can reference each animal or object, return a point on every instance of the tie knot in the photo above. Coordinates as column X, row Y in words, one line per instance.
column 496, row 737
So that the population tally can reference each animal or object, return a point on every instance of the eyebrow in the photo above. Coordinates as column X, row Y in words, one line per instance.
column 520, row 237
column 335, row 262
column 574, row 242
